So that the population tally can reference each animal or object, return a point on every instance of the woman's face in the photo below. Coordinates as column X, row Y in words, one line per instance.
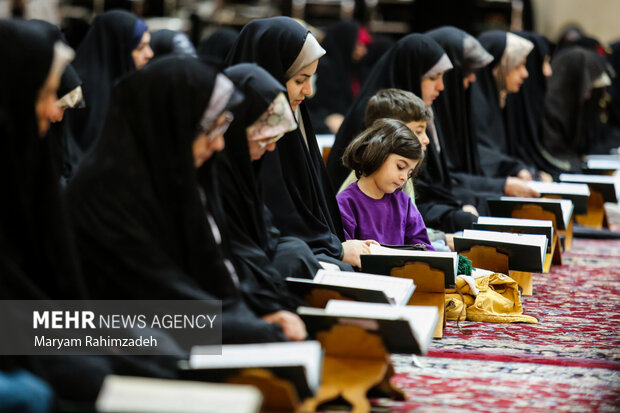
column 211, row 141
column 143, row 53
column 431, row 88
column 300, row 85
column 546, row 67
column 259, row 147
column 45, row 107
column 515, row 78
column 468, row 80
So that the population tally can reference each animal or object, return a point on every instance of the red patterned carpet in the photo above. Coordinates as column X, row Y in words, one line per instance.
column 569, row 361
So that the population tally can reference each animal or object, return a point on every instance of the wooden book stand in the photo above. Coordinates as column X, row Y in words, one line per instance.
column 489, row 258
column 568, row 232
column 279, row 395
column 537, row 212
column 355, row 362
column 430, row 288
column 319, row 297
column 596, row 216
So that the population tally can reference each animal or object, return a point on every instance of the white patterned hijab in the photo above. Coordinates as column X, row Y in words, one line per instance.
column 277, row 120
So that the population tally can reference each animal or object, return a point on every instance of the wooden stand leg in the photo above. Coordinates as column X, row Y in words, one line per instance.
column 279, row 395
column 430, row 288
column 596, row 217
column 568, row 233
column 524, row 279
column 355, row 362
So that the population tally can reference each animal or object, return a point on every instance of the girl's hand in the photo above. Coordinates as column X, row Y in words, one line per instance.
column 292, row 326
column 544, row 176
column 353, row 249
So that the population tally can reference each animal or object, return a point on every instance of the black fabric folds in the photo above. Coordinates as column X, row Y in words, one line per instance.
column 102, row 58
column 487, row 118
column 254, row 240
column 143, row 230
column 452, row 112
column 571, row 121
column 165, row 41
column 215, row 48
column 294, row 178
column 333, row 77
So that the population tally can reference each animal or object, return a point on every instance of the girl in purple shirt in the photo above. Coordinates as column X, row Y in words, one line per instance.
column 383, row 157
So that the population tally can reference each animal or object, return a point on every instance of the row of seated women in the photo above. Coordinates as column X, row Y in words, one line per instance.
column 200, row 184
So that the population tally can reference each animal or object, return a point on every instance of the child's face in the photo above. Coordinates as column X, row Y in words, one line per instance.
column 418, row 127
column 393, row 173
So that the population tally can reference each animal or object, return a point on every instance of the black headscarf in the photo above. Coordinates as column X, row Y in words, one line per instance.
column 215, row 48
column 333, row 77
column 167, row 41
column 102, row 58
column 253, row 239
column 37, row 257
column 495, row 151
column 67, row 152
column 142, row 226
column 297, row 190
column 524, row 110
column 571, row 121
column 402, row 67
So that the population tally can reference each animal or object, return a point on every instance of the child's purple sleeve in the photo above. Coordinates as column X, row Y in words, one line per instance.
column 348, row 218
column 416, row 229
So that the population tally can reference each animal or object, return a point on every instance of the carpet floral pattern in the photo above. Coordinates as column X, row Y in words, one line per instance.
column 569, row 361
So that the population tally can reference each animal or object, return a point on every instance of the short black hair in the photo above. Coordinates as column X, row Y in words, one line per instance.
column 367, row 152
column 396, row 104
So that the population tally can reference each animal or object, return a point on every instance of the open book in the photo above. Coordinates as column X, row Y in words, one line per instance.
column 561, row 208
column 525, row 252
column 603, row 164
column 517, row 226
column 606, row 185
column 300, row 363
column 381, row 260
column 578, row 193
column 407, row 329
column 145, row 395
column 357, row 286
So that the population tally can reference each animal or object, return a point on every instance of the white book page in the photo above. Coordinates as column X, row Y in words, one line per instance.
column 145, row 395
column 603, row 163
column 381, row 250
column 539, row 241
column 602, row 179
column 421, row 319
column 565, row 204
column 394, row 288
column 560, row 188
column 517, row 222
column 304, row 353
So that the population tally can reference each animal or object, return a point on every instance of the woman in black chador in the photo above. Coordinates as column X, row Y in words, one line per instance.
column 66, row 151
column 452, row 115
column 488, row 101
column 37, row 253
column 263, row 257
column 116, row 44
column 296, row 188
column 146, row 228
column 525, row 109
column 572, row 119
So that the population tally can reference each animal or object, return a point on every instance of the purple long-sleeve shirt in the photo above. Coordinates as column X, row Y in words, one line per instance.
column 392, row 219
